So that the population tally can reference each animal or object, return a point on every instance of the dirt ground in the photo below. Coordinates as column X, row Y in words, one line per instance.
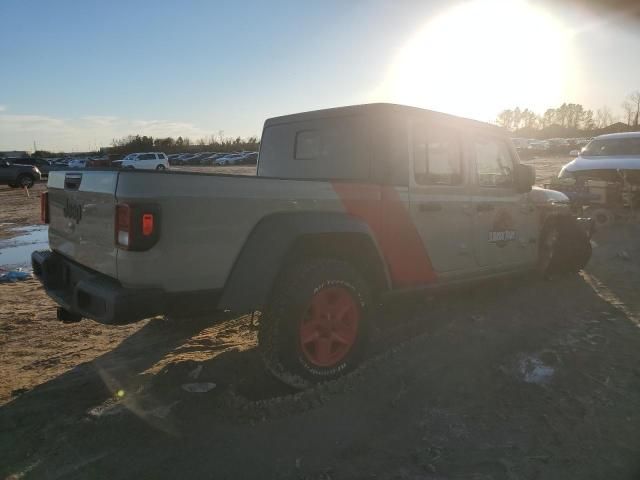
column 524, row 379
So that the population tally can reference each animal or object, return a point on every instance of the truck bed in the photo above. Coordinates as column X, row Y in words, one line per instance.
column 205, row 220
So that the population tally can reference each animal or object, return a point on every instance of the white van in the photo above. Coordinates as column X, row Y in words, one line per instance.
column 146, row 161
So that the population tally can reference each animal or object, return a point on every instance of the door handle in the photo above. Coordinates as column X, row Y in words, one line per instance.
column 485, row 207
column 430, row 207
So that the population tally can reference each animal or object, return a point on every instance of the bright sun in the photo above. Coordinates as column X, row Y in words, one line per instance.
column 480, row 57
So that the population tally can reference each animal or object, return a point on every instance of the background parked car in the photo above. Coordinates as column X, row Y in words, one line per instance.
column 230, row 159
column 173, row 158
column 43, row 165
column 251, row 158
column 99, row 162
column 209, row 159
column 78, row 163
column 184, row 158
column 195, row 160
column 146, row 161
column 16, row 175
column 559, row 146
column 62, row 162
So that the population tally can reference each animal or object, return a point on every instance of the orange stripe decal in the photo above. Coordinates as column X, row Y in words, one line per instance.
column 391, row 223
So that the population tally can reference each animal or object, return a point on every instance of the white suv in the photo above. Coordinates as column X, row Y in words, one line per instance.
column 146, row 161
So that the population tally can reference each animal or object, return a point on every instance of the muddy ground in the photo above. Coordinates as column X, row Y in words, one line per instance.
column 525, row 379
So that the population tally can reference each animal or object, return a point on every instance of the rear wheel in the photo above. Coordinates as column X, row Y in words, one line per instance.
column 160, row 167
column 25, row 181
column 316, row 326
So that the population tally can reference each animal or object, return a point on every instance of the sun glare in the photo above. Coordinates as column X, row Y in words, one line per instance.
column 480, row 57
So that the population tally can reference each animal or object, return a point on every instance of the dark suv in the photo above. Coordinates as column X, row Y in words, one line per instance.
column 16, row 175
column 43, row 165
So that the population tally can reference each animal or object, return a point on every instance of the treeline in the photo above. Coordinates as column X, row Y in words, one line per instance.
column 571, row 120
column 144, row 143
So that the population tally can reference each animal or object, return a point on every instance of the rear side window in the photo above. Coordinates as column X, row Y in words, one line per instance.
column 161, row 156
column 147, row 156
column 335, row 148
column 437, row 156
column 307, row 145
column 494, row 164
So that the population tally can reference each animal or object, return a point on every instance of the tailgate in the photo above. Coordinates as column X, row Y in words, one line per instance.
column 81, row 212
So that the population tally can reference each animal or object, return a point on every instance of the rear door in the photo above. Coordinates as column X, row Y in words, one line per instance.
column 146, row 161
column 82, row 213
column 440, row 200
column 500, row 213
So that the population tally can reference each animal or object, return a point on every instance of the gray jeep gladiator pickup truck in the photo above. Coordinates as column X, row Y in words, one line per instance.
column 349, row 205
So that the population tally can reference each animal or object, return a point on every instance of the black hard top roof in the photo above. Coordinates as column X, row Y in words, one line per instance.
column 381, row 109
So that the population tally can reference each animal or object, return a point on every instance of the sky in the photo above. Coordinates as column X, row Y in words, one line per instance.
column 76, row 75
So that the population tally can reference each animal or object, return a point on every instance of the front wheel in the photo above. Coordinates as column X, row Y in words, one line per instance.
column 564, row 247
column 316, row 325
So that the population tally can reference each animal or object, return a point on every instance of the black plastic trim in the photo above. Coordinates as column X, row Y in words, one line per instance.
column 263, row 254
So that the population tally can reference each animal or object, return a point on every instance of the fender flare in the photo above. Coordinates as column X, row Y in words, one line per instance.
column 263, row 254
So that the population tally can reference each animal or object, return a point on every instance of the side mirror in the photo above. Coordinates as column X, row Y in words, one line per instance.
column 574, row 153
column 525, row 177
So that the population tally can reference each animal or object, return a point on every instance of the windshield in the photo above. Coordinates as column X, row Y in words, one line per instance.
column 612, row 146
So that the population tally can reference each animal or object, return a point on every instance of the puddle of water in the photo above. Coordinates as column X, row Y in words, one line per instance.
column 16, row 252
column 534, row 370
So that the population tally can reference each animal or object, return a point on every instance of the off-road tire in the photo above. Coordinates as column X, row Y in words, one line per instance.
column 25, row 180
column 278, row 333
column 571, row 251
column 574, row 247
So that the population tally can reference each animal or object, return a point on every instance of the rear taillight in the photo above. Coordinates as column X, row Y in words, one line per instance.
column 136, row 226
column 44, row 207
column 147, row 224
column 123, row 224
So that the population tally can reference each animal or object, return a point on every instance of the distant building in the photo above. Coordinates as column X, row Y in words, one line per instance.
column 14, row 154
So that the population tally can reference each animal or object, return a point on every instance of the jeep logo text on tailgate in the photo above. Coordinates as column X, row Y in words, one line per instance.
column 73, row 211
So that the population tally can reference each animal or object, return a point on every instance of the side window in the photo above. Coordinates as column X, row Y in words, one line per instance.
column 437, row 157
column 494, row 165
column 161, row 156
column 147, row 156
column 322, row 148
column 307, row 145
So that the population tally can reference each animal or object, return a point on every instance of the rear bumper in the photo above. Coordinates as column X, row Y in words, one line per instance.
column 92, row 294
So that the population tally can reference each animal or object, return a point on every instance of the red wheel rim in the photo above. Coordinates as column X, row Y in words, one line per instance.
column 329, row 327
